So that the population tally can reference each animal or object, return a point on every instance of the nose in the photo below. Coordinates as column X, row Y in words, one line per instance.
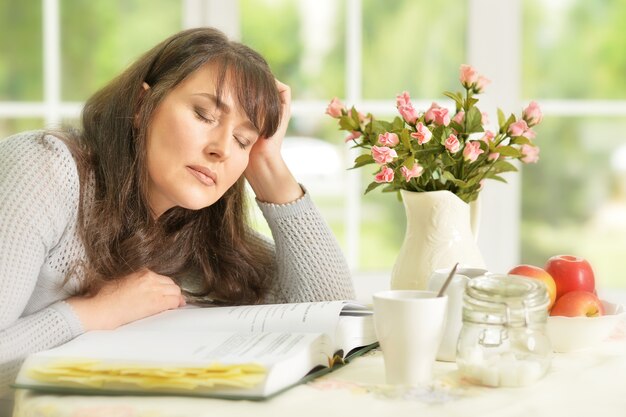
column 219, row 143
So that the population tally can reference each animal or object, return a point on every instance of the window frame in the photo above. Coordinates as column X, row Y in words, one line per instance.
column 500, row 203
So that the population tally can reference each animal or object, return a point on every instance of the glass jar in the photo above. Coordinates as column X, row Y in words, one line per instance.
column 503, row 340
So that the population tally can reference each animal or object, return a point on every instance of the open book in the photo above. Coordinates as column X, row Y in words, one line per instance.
column 250, row 352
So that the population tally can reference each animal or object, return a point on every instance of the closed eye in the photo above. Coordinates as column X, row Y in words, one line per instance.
column 241, row 141
column 203, row 117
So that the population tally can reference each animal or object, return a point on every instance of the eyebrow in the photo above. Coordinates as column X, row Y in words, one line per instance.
column 226, row 109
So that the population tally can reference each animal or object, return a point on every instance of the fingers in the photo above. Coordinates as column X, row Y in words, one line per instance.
column 282, row 88
column 165, row 292
column 285, row 94
column 170, row 291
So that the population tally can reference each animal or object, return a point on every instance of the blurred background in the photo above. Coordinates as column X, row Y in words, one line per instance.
column 568, row 55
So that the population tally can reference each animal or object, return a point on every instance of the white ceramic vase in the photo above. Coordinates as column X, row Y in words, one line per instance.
column 441, row 230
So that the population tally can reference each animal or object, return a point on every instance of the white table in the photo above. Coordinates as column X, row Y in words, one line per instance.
column 585, row 383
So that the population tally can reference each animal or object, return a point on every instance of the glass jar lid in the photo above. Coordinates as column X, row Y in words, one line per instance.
column 505, row 300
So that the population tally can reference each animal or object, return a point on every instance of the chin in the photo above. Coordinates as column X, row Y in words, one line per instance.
column 199, row 202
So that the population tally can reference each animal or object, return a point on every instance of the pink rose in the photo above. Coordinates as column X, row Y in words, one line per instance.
column 355, row 134
column 388, row 139
column 468, row 75
column 414, row 172
column 442, row 118
column 458, row 118
column 429, row 116
column 385, row 175
column 532, row 114
column 472, row 151
column 484, row 118
column 383, row 154
column 520, row 128
column 493, row 156
column 422, row 133
column 408, row 112
column 452, row 144
column 437, row 114
column 488, row 136
column 335, row 108
column 481, row 83
column 530, row 154
column 403, row 99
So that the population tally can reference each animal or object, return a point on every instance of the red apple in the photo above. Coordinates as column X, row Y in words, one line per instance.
column 570, row 273
column 531, row 271
column 578, row 303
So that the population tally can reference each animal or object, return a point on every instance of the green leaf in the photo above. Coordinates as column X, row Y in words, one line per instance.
column 470, row 102
column 380, row 126
column 456, row 97
column 496, row 177
column 447, row 160
column 397, row 124
column 439, row 134
column 503, row 166
column 450, row 177
column 501, row 117
column 362, row 160
column 473, row 120
column 521, row 140
column 347, row 123
column 372, row 186
column 454, row 125
column 505, row 127
column 509, row 151
column 405, row 139
column 355, row 116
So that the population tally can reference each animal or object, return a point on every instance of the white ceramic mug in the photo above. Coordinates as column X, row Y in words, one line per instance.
column 455, row 290
column 409, row 325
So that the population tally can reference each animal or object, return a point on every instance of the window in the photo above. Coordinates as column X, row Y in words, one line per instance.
column 365, row 52
column 574, row 201
column 56, row 53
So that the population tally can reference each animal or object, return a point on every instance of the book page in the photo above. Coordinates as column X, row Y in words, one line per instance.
column 187, row 348
column 316, row 317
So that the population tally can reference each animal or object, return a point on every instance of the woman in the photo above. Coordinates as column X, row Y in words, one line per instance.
column 144, row 207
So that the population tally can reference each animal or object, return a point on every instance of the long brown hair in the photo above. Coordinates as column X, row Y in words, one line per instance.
column 211, row 245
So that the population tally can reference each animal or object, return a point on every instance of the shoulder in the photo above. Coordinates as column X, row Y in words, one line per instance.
column 36, row 152
column 35, row 146
column 39, row 165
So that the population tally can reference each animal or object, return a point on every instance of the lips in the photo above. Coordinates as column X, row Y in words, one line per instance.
column 203, row 174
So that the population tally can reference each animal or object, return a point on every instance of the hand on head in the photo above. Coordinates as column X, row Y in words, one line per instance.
column 269, row 148
column 267, row 172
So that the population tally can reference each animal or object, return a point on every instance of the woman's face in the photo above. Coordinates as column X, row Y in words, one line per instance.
column 196, row 150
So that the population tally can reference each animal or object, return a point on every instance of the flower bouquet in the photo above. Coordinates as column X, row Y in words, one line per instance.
column 438, row 149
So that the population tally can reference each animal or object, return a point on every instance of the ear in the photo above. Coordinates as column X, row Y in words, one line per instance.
column 145, row 87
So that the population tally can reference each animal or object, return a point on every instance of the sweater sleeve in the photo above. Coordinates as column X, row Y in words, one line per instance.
column 39, row 189
column 310, row 265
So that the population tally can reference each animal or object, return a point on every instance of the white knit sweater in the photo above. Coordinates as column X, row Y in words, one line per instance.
column 39, row 194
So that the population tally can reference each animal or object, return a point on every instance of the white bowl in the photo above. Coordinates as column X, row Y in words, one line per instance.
column 574, row 333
